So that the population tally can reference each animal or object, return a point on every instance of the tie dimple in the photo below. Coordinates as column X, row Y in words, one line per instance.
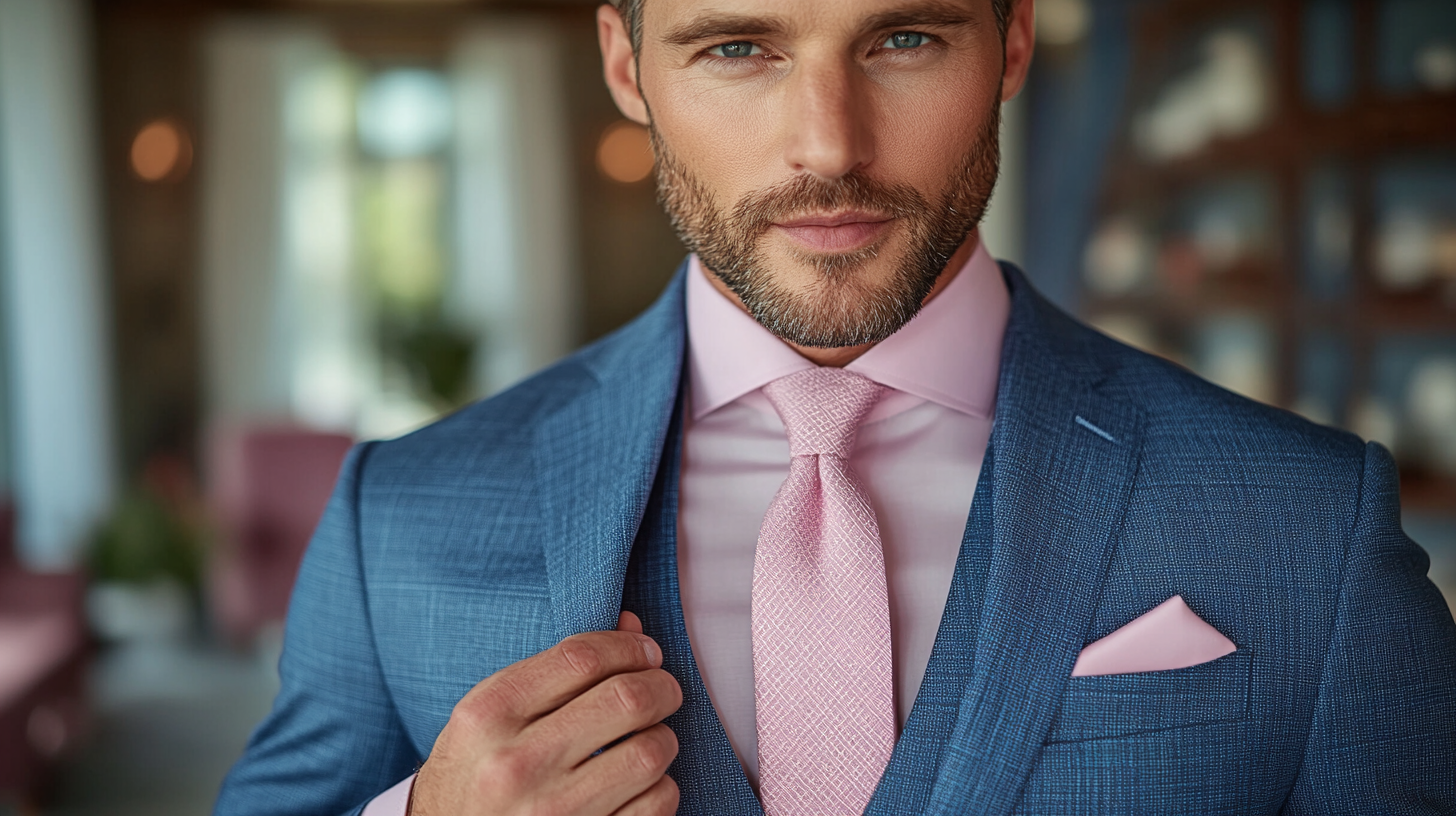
column 823, row 678
column 822, row 409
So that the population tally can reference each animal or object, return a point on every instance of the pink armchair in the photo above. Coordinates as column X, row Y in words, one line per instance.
column 267, row 488
column 44, row 653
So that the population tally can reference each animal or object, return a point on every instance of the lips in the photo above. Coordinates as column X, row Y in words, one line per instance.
column 836, row 232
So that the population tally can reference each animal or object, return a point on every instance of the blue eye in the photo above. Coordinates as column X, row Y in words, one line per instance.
column 735, row 50
column 905, row 39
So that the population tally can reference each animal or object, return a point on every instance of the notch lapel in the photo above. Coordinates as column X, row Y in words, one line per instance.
column 597, row 456
column 1066, row 456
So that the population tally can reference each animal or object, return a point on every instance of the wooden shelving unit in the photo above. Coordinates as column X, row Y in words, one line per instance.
column 1297, row 138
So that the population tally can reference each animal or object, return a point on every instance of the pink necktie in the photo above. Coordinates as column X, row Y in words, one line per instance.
column 822, row 673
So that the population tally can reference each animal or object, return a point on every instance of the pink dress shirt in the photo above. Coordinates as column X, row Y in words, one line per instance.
column 918, row 454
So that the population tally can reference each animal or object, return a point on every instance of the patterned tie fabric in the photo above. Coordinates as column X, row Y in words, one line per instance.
column 823, row 678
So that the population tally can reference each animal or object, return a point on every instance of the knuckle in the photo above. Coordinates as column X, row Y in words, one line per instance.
column 667, row 745
column 479, row 712
column 672, row 687
column 580, row 656
column 669, row 797
column 507, row 692
column 471, row 713
column 513, row 769
column 646, row 754
column 632, row 694
column 669, row 738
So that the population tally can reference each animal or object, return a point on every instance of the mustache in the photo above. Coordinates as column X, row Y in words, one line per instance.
column 805, row 195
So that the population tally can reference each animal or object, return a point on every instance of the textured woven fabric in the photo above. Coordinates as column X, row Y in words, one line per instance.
column 911, row 774
column 450, row 553
column 710, row 780
column 823, row 676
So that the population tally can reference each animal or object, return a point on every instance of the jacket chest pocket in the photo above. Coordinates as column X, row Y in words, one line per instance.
column 1120, row 705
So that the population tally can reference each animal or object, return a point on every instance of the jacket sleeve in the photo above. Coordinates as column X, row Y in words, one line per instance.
column 1383, row 738
column 333, row 740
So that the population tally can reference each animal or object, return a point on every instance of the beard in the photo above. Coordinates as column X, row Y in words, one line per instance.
column 842, row 306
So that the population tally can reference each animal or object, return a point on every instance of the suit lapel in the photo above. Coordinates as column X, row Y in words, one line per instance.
column 1065, row 460
column 914, row 766
column 709, row 777
column 597, row 455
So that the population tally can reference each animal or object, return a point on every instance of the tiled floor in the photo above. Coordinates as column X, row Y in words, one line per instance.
column 170, row 721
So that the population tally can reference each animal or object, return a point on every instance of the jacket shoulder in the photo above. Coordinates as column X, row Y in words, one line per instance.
column 1189, row 417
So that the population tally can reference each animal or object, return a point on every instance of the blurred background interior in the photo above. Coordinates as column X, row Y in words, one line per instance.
column 238, row 235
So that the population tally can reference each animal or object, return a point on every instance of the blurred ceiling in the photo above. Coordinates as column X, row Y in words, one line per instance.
column 383, row 30
column 194, row 6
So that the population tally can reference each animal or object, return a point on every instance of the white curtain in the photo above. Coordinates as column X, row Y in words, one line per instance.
column 287, row 313
column 281, row 322
column 1004, row 227
column 515, row 276
column 51, row 255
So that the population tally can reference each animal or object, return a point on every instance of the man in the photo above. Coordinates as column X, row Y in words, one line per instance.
column 901, row 536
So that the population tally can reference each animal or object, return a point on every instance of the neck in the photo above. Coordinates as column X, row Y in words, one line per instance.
column 844, row 355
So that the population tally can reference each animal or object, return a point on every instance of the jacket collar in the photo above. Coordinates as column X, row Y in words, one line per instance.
column 731, row 356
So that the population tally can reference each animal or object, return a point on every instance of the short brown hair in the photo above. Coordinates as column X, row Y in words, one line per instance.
column 631, row 11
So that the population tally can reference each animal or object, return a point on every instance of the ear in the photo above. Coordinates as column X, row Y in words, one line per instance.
column 1020, row 41
column 619, row 64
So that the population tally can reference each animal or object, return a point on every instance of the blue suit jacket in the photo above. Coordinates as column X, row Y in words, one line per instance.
column 1113, row 481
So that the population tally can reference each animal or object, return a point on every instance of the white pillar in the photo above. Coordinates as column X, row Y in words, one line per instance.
column 266, row 217
column 1004, row 227
column 57, row 333
column 515, row 274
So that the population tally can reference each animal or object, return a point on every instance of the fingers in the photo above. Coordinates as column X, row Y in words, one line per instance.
column 531, row 734
column 629, row 622
column 659, row 800
column 629, row 771
column 543, row 683
column 618, row 706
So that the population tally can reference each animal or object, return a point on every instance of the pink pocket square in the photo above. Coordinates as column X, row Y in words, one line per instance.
column 1169, row 636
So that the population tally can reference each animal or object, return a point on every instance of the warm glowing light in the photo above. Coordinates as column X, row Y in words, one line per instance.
column 1062, row 22
column 625, row 153
column 161, row 150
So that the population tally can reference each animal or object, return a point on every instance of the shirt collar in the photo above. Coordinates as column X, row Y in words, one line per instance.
column 949, row 354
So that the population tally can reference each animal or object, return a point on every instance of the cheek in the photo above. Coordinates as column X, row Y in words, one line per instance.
column 725, row 137
column 923, row 132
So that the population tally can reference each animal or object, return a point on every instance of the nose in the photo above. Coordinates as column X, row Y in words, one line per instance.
column 829, row 131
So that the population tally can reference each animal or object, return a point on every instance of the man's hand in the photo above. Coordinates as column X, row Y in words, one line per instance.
column 523, row 740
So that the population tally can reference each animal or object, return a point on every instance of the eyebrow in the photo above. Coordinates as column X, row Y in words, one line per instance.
column 720, row 25
column 929, row 13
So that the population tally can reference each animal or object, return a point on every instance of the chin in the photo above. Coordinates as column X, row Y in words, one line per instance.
column 870, row 266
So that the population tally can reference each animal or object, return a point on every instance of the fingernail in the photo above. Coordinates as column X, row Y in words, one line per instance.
column 654, row 654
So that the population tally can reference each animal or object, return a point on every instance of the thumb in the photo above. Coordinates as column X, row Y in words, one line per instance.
column 628, row 622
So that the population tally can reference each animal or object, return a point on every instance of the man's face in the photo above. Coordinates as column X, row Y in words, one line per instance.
column 824, row 158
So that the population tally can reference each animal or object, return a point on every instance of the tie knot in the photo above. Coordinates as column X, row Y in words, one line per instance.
column 822, row 408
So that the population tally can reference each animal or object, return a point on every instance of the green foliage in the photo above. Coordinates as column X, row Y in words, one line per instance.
column 437, row 356
column 144, row 540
